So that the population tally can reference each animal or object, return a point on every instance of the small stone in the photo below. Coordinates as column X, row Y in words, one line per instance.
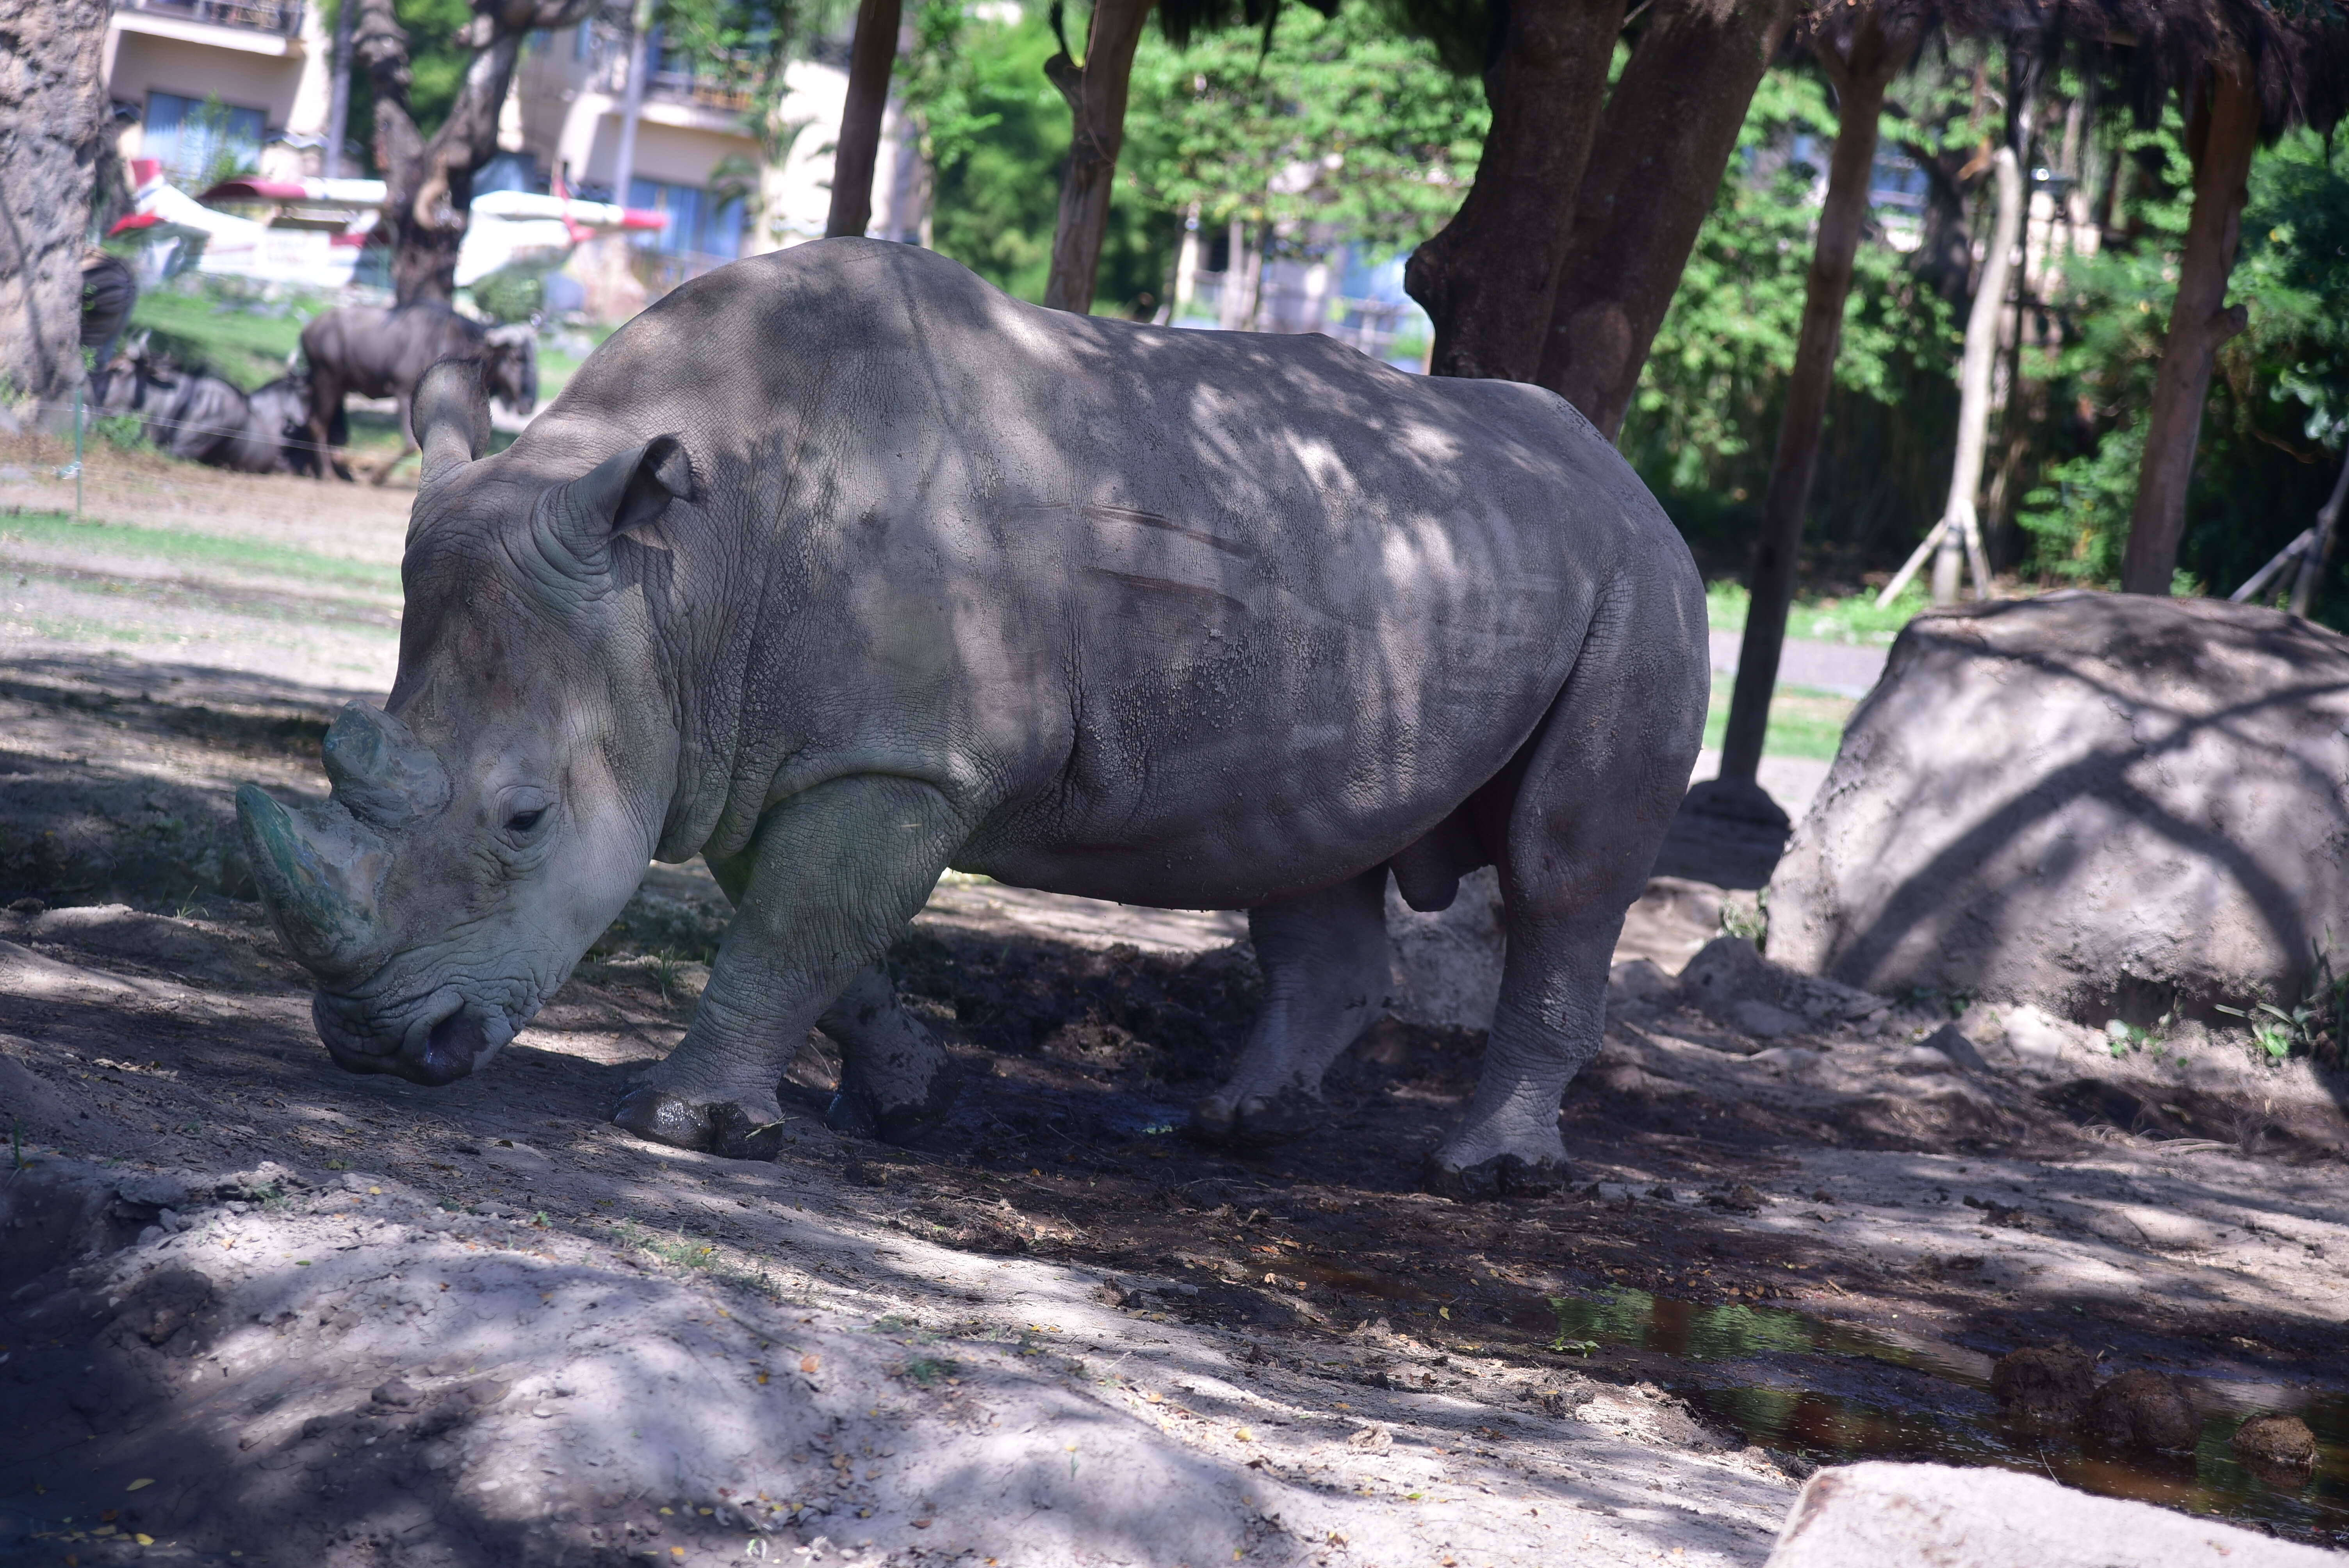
column 2144, row 1410
column 397, row 1393
column 2280, row 1442
column 1764, row 1020
column 2046, row 1383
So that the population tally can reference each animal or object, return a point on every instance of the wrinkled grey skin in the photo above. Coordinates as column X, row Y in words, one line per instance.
column 379, row 353
column 839, row 568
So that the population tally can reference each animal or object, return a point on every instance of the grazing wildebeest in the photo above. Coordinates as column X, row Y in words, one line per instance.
column 838, row 567
column 196, row 415
column 379, row 353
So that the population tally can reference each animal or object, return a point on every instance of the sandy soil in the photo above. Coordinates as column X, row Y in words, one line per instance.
column 254, row 1310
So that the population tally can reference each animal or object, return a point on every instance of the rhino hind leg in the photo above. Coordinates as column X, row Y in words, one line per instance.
column 896, row 1082
column 1601, row 777
column 1325, row 974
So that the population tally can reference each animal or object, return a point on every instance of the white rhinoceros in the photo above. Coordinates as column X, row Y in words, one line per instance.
column 838, row 568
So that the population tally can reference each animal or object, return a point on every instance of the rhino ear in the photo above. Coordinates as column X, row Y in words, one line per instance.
column 451, row 416
column 625, row 492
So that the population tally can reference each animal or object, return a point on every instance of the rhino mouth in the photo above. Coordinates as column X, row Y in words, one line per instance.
column 456, row 1043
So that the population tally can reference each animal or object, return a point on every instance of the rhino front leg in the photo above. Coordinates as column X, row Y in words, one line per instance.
column 1326, row 972
column 831, row 878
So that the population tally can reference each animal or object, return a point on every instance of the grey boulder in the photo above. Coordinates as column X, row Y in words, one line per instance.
column 2102, row 804
column 1875, row 1515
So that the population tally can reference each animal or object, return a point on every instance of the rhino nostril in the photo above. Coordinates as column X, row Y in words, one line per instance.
column 451, row 1050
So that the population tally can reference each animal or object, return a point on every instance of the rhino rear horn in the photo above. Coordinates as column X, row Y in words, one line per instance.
column 381, row 771
column 628, row 489
column 451, row 416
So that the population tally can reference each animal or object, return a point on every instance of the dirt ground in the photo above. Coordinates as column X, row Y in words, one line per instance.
column 253, row 1309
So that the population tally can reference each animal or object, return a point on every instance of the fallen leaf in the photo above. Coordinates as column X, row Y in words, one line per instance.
column 144, row 1540
column 762, row 1380
column 1244, row 1435
column 143, row 1480
column 1153, row 1400
column 807, row 1364
column 925, row 1524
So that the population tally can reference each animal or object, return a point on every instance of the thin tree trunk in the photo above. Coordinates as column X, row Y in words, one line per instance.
column 632, row 100
column 1960, row 521
column 2199, row 322
column 338, row 103
column 1666, row 136
column 1861, row 71
column 1489, row 279
column 2328, row 518
column 52, row 117
column 870, row 60
column 1096, row 94
column 429, row 185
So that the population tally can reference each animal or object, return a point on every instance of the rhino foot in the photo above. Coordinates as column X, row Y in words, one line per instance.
column 1259, row 1120
column 858, row 1111
column 725, row 1128
column 1502, row 1176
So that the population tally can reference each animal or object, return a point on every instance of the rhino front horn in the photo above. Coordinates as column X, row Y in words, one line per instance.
column 381, row 771
column 317, row 879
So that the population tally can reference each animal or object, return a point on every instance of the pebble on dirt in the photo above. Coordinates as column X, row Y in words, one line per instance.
column 2282, row 1442
column 2044, row 1382
column 2144, row 1410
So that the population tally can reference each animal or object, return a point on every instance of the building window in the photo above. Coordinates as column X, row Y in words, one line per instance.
column 201, row 141
column 696, row 223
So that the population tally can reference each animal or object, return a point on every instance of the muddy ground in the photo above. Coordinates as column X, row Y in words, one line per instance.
column 253, row 1309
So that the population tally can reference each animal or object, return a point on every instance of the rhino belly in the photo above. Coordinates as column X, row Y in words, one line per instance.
column 1222, row 757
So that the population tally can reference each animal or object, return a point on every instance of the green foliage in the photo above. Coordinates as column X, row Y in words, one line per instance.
column 1341, row 123
column 2279, row 408
column 1224, row 122
column 510, row 294
column 1825, row 619
column 1703, row 422
column 208, row 323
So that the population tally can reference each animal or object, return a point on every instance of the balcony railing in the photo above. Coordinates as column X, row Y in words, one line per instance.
column 703, row 92
column 283, row 18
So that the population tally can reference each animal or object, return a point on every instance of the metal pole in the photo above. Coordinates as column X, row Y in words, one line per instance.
column 77, row 454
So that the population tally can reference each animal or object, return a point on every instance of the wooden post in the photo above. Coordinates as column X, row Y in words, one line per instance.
column 2226, row 131
column 1096, row 92
column 871, row 57
column 1860, row 70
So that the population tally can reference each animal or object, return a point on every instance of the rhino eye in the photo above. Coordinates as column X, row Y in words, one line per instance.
column 523, row 821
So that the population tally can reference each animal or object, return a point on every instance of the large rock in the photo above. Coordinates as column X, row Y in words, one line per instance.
column 2102, row 804
column 1878, row 1515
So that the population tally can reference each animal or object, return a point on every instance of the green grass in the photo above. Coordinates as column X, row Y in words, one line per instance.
column 171, row 544
column 1826, row 620
column 1803, row 723
column 245, row 344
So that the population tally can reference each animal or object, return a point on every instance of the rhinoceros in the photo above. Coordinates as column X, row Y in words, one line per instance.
column 840, row 568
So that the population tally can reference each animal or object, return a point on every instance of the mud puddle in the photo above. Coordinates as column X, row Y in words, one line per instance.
column 1834, row 1393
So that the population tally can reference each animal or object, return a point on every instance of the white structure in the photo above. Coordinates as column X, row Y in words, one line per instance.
column 216, row 88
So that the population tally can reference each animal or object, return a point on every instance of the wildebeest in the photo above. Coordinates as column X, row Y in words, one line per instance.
column 202, row 418
column 379, row 353
column 838, row 567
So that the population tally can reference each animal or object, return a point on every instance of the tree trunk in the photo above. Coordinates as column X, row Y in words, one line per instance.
column 1960, row 525
column 1096, row 94
column 1669, row 128
column 2229, row 131
column 632, row 101
column 870, row 60
column 52, row 120
column 1489, row 279
column 1861, row 71
column 429, row 185
column 338, row 102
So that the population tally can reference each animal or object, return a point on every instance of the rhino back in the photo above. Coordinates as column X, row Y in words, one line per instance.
column 1144, row 595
